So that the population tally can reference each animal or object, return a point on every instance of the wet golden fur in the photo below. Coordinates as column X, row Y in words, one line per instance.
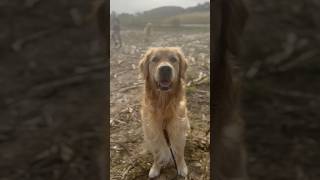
column 164, row 110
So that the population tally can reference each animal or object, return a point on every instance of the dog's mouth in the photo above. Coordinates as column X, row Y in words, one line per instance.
column 164, row 85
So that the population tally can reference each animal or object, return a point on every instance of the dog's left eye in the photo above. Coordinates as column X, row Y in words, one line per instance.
column 155, row 59
column 173, row 59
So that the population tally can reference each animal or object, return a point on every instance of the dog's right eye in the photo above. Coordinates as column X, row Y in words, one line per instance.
column 173, row 59
column 155, row 59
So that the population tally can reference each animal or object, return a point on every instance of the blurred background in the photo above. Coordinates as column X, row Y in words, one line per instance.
column 53, row 87
column 181, row 23
column 281, row 74
column 162, row 13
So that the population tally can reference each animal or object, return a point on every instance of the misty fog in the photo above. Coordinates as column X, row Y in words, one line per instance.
column 133, row 6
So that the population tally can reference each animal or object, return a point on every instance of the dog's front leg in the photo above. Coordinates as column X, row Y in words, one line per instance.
column 155, row 169
column 181, row 164
column 178, row 141
column 160, row 156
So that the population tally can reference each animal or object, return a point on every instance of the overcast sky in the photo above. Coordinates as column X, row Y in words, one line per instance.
column 133, row 6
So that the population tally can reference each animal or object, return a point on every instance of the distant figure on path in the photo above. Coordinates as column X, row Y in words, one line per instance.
column 115, row 28
column 147, row 32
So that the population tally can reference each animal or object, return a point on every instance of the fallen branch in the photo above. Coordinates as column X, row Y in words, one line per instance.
column 124, row 175
column 125, row 89
column 113, row 121
column 128, row 88
column 257, row 66
column 253, row 70
column 203, row 91
column 297, row 61
column 53, row 85
column 115, row 75
column 295, row 94
column 202, row 77
column 289, row 48
column 17, row 45
column 97, row 67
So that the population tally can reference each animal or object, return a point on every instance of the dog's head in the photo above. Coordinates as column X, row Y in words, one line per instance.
column 164, row 67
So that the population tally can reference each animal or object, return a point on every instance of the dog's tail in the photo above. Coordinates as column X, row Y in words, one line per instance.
column 229, row 18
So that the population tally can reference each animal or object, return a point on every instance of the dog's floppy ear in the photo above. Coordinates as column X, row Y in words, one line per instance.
column 144, row 64
column 183, row 63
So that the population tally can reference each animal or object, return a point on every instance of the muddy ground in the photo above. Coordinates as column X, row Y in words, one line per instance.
column 281, row 75
column 52, row 79
column 53, row 86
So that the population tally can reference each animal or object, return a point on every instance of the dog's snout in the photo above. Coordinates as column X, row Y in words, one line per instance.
column 165, row 71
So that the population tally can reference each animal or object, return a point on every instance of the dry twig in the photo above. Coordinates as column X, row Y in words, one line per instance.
column 53, row 85
column 18, row 44
column 125, row 89
column 297, row 61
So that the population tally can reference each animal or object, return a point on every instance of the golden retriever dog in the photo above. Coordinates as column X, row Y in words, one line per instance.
column 147, row 32
column 229, row 155
column 164, row 106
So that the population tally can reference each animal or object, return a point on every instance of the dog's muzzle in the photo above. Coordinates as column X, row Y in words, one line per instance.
column 165, row 77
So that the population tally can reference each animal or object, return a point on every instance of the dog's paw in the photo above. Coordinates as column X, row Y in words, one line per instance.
column 183, row 170
column 154, row 171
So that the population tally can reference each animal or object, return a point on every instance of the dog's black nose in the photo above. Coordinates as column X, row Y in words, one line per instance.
column 165, row 71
